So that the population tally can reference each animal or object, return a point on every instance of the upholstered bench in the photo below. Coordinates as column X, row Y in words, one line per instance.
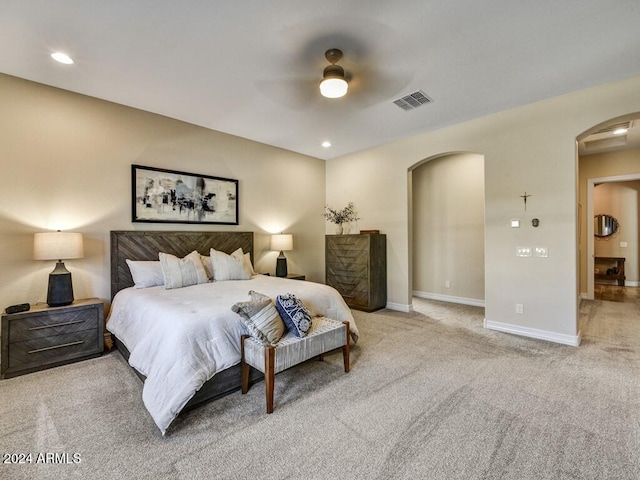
column 325, row 335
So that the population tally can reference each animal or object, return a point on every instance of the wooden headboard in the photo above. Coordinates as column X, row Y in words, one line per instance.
column 145, row 245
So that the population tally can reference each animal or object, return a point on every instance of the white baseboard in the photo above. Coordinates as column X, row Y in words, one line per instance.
column 630, row 283
column 449, row 298
column 400, row 307
column 572, row 340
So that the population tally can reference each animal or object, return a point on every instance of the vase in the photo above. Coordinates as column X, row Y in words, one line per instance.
column 339, row 229
column 346, row 228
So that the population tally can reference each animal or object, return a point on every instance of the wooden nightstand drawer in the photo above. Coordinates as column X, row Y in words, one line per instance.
column 42, row 351
column 38, row 326
column 48, row 336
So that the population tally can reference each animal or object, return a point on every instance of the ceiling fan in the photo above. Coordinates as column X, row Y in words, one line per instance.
column 361, row 73
column 333, row 84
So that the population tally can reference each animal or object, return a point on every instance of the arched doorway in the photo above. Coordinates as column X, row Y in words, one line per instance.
column 605, row 157
column 447, row 228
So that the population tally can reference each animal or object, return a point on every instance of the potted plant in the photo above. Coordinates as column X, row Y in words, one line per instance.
column 339, row 217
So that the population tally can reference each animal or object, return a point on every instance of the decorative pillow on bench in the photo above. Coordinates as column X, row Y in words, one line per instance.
column 296, row 317
column 262, row 319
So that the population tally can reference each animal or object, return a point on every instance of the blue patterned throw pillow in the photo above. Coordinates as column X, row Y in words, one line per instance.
column 296, row 317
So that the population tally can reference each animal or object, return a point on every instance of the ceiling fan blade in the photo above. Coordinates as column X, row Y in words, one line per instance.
column 370, row 87
column 298, row 94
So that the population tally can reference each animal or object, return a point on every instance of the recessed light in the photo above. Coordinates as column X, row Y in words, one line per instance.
column 620, row 131
column 326, row 144
column 62, row 58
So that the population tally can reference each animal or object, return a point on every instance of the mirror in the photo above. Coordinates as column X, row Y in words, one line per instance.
column 604, row 225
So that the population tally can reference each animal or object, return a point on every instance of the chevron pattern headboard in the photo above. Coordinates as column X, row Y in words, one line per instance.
column 145, row 245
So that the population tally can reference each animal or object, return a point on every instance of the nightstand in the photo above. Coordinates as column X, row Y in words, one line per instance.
column 46, row 336
column 295, row 276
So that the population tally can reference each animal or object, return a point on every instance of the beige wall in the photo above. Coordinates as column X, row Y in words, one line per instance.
column 66, row 164
column 530, row 149
column 605, row 165
column 622, row 201
column 448, row 228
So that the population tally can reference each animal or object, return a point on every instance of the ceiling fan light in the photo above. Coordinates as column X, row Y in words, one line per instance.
column 334, row 87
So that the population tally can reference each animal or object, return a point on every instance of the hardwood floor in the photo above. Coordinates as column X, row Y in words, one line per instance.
column 614, row 293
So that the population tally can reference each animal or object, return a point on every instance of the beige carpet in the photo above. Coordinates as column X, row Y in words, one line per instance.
column 431, row 395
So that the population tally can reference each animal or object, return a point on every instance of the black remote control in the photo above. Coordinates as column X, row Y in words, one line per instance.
column 22, row 307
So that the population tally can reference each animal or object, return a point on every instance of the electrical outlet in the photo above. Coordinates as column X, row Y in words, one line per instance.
column 519, row 308
column 447, row 284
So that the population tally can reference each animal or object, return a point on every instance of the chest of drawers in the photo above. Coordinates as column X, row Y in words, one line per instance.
column 45, row 336
column 356, row 266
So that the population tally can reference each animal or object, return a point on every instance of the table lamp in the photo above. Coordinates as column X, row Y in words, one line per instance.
column 281, row 242
column 58, row 246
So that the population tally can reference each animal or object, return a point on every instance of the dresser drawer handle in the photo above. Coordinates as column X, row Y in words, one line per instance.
column 57, row 325
column 56, row 346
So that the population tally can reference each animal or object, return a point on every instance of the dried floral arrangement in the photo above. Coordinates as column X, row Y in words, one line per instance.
column 346, row 215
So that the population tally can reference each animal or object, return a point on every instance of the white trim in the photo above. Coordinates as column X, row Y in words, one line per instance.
column 449, row 298
column 400, row 307
column 572, row 340
column 631, row 283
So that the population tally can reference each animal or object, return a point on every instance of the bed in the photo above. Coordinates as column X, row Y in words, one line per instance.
column 155, row 327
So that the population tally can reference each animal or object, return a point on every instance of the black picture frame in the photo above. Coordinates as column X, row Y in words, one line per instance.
column 159, row 195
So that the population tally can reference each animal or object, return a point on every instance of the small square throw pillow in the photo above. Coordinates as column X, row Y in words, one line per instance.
column 182, row 272
column 296, row 317
column 262, row 320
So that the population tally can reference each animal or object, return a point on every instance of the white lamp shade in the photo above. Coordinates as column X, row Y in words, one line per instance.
column 57, row 246
column 334, row 87
column 282, row 241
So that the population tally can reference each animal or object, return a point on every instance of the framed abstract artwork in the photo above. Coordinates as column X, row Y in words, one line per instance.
column 169, row 196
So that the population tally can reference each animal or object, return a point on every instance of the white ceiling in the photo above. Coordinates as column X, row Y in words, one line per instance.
column 251, row 67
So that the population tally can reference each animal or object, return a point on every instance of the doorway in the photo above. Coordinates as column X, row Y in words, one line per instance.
column 607, row 153
column 447, row 228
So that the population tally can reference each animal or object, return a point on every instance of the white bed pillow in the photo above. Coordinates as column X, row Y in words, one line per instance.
column 227, row 267
column 245, row 258
column 145, row 273
column 182, row 272
column 206, row 262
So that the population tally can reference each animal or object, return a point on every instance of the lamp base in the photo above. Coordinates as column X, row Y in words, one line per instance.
column 281, row 266
column 60, row 291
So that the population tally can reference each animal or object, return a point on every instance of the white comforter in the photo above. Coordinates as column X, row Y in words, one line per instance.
column 180, row 338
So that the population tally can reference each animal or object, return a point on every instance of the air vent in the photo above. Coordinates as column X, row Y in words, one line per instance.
column 413, row 100
column 615, row 126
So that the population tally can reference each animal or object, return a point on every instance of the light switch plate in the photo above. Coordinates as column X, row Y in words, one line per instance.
column 623, row 244
column 542, row 252
column 515, row 223
column 523, row 251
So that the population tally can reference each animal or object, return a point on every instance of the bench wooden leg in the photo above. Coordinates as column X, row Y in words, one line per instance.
column 245, row 366
column 345, row 349
column 269, row 375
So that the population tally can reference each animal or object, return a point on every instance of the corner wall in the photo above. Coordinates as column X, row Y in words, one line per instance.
column 66, row 164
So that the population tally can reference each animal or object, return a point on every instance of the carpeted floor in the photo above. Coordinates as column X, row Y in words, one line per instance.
column 431, row 395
